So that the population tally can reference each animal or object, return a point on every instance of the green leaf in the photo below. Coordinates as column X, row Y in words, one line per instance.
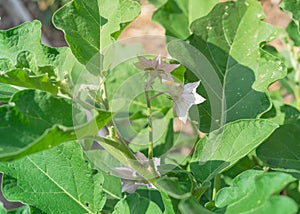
column 36, row 120
column 21, row 48
column 157, row 3
column 176, row 15
column 281, row 151
column 135, row 204
column 25, row 78
column 283, row 114
column 89, row 25
column 257, row 192
column 6, row 92
column 200, row 8
column 163, row 135
column 173, row 16
column 226, row 56
column 242, row 165
column 169, row 208
column 205, row 171
column 112, row 186
column 192, row 206
column 63, row 182
column 293, row 30
column 231, row 143
column 292, row 6
column 178, row 187
column 152, row 194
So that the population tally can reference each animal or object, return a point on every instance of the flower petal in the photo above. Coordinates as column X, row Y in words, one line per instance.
column 129, row 186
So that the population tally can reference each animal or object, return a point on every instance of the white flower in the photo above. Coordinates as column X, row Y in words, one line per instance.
column 130, row 179
column 159, row 68
column 184, row 96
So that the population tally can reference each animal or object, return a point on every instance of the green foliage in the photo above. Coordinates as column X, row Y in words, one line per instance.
column 89, row 26
column 281, row 150
column 231, row 44
column 257, row 192
column 71, row 187
column 135, row 204
column 232, row 142
column 55, row 159
column 176, row 15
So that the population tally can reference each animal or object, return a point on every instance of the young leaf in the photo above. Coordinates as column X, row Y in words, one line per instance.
column 225, row 56
column 135, row 204
column 257, row 192
column 281, row 151
column 63, row 182
column 235, row 140
column 89, row 25
column 39, row 121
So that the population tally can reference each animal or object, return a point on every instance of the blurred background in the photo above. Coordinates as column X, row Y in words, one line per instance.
column 15, row 12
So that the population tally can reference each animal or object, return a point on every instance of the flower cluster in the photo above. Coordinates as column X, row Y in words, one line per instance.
column 183, row 96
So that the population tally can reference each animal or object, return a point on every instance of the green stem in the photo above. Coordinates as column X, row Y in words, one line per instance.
column 156, row 95
column 150, row 130
column 199, row 192
column 217, row 182
column 149, row 114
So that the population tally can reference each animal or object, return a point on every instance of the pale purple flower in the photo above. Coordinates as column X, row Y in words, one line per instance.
column 160, row 69
column 184, row 96
column 130, row 179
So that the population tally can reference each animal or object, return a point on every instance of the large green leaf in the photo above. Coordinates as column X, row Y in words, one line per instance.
column 257, row 192
column 135, row 204
column 35, row 120
column 177, row 15
column 226, row 56
column 229, row 144
column 281, row 150
column 21, row 47
column 89, row 25
column 56, row 181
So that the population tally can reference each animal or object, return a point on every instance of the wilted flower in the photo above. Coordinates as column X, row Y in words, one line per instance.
column 161, row 69
column 130, row 179
column 184, row 96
